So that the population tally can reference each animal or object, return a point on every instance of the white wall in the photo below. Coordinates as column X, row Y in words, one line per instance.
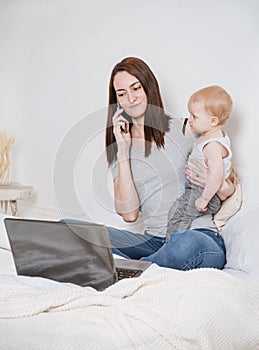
column 55, row 62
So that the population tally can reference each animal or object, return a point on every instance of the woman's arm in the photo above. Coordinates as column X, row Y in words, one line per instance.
column 125, row 194
column 126, row 197
column 226, row 190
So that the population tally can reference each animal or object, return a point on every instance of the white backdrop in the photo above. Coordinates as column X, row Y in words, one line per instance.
column 55, row 62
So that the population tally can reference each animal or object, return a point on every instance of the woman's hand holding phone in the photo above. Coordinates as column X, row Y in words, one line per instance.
column 121, row 130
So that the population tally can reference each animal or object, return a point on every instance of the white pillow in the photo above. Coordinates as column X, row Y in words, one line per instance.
column 241, row 234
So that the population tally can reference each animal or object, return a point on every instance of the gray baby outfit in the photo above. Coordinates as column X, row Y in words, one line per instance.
column 183, row 211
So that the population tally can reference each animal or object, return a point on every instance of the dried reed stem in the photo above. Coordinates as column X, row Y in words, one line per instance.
column 6, row 143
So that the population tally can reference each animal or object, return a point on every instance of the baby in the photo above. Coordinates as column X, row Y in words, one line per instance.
column 209, row 109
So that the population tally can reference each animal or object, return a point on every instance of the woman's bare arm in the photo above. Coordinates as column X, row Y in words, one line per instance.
column 125, row 194
column 126, row 199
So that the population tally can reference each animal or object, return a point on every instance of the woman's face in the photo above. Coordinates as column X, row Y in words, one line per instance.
column 130, row 94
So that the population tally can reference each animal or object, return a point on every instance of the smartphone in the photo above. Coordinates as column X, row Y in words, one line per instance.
column 122, row 128
column 184, row 125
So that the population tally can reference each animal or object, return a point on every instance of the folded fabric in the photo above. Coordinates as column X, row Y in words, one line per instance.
column 230, row 206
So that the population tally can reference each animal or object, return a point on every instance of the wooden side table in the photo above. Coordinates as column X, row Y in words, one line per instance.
column 10, row 193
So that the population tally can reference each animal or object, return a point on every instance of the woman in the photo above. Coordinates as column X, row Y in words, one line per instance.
column 148, row 153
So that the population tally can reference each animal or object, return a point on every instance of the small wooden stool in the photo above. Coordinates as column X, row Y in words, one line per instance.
column 10, row 193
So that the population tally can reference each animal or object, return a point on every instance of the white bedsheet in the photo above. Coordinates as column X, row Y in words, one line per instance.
column 162, row 309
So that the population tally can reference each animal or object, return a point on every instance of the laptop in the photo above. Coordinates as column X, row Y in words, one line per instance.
column 78, row 253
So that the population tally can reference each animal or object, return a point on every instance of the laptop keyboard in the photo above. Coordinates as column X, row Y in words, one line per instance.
column 127, row 273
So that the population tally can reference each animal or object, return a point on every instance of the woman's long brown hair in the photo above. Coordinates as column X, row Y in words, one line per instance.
column 156, row 121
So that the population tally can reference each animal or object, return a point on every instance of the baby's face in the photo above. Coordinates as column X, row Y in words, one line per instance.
column 200, row 120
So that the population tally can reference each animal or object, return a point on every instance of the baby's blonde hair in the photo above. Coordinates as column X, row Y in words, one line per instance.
column 216, row 101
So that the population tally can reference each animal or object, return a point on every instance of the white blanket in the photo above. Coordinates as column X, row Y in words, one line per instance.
column 163, row 309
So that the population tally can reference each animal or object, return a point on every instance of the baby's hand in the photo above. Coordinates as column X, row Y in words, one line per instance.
column 201, row 204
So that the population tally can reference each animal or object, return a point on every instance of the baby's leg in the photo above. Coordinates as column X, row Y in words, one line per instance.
column 183, row 211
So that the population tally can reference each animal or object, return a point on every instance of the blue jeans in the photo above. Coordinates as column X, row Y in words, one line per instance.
column 184, row 250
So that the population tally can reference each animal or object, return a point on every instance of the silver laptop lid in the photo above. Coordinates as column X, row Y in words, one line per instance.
column 63, row 251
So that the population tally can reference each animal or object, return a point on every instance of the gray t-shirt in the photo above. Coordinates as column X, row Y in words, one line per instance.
column 159, row 178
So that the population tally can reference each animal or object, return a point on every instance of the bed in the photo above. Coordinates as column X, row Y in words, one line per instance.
column 162, row 309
